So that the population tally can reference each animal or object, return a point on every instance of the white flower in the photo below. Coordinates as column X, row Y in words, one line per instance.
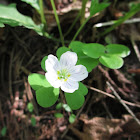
column 65, row 73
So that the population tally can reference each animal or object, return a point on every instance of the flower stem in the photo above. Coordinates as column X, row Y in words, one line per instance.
column 73, row 24
column 58, row 22
column 81, row 27
column 41, row 12
column 83, row 11
column 82, row 14
column 62, row 97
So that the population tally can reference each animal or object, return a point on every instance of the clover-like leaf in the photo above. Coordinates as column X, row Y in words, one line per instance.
column 111, row 61
column 82, row 89
column 76, row 99
column 76, row 46
column 61, row 50
column 9, row 15
column 88, row 62
column 43, row 63
column 117, row 49
column 93, row 50
column 37, row 81
column 47, row 97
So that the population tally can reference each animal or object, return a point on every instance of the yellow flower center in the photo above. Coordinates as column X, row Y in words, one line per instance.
column 63, row 74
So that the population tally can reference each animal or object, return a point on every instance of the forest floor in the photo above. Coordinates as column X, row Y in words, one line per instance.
column 103, row 116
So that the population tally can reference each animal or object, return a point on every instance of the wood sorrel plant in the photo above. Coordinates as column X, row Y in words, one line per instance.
column 73, row 63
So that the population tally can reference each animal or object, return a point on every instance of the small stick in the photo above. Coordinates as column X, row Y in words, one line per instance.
column 77, row 115
column 135, row 49
column 10, row 76
column 111, row 96
column 125, row 106
column 109, row 23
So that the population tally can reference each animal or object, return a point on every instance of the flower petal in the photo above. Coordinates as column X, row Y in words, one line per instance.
column 70, row 86
column 68, row 59
column 78, row 73
column 53, row 79
column 52, row 63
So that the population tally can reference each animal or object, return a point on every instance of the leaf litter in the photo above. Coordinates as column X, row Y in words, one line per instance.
column 19, row 55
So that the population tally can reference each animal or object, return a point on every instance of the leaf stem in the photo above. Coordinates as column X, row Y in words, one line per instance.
column 41, row 12
column 58, row 22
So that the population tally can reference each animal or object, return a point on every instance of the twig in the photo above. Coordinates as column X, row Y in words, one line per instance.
column 111, row 96
column 10, row 76
column 30, row 96
column 103, row 24
column 27, row 72
column 1, row 115
column 107, row 109
column 135, row 49
column 66, row 131
column 128, row 15
column 106, row 74
column 79, row 112
column 122, row 102
column 21, row 43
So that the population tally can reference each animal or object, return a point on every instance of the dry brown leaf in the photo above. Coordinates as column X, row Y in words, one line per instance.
column 99, row 128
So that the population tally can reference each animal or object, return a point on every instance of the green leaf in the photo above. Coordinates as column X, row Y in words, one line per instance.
column 37, row 81
column 46, row 97
column 76, row 46
column 75, row 100
column 33, row 3
column 117, row 49
column 94, row 50
column 88, row 62
column 82, row 89
column 9, row 15
column 58, row 115
column 30, row 107
column 66, row 107
column 72, row 118
column 83, row 59
column 33, row 121
column 2, row 25
column 43, row 63
column 61, row 50
column 111, row 61
column 3, row 131
column 97, row 7
column 59, row 106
